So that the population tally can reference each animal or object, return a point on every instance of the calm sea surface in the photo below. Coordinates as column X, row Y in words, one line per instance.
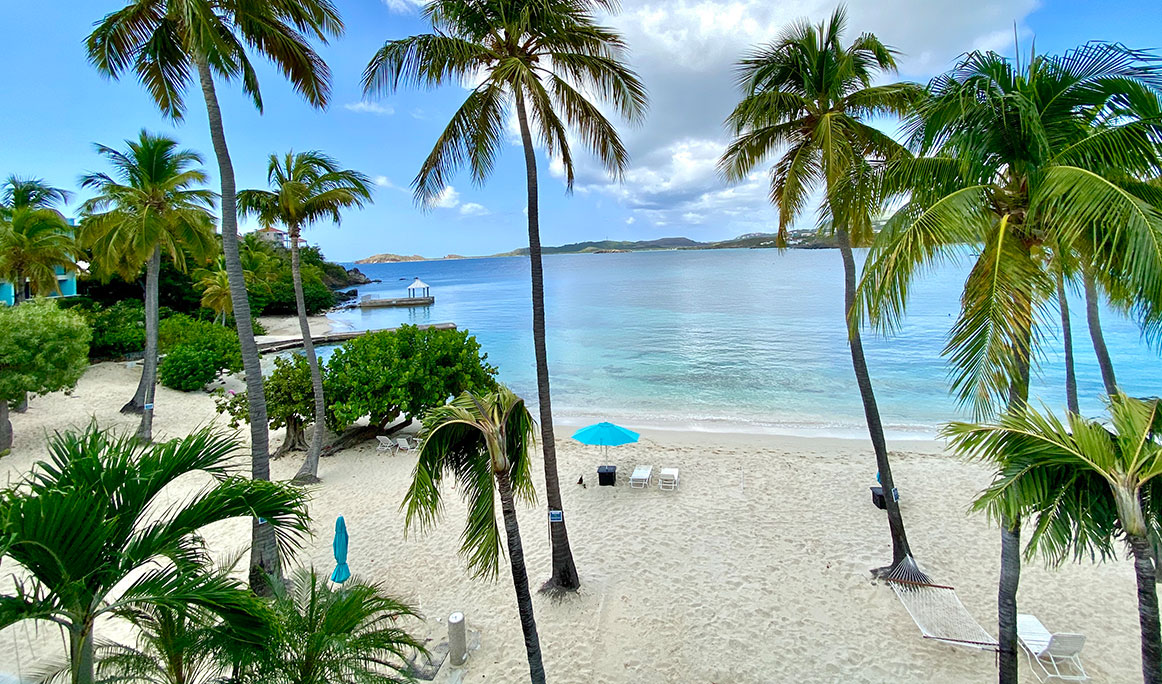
column 737, row 340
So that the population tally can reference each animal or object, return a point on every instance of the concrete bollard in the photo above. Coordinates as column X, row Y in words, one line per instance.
column 457, row 639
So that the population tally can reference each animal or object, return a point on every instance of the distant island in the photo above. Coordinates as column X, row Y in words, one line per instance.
column 797, row 239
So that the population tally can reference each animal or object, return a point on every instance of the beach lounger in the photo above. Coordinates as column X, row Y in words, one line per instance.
column 1057, row 656
column 641, row 477
column 385, row 444
column 404, row 444
column 668, row 479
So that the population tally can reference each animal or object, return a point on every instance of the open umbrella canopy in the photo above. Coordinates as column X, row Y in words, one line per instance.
column 342, row 572
column 605, row 434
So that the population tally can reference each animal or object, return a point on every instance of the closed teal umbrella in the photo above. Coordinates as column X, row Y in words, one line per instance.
column 605, row 434
column 342, row 572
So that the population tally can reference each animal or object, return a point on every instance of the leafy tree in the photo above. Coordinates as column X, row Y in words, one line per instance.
column 290, row 402
column 43, row 349
column 404, row 371
column 180, row 330
column 89, row 521
column 481, row 440
column 1084, row 484
column 152, row 203
column 326, row 635
column 806, row 95
column 117, row 330
column 306, row 188
column 164, row 42
column 1016, row 160
column 546, row 59
column 35, row 238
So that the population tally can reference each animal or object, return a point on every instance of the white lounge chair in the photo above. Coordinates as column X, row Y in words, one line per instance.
column 1057, row 656
column 668, row 479
column 385, row 444
column 641, row 477
column 404, row 444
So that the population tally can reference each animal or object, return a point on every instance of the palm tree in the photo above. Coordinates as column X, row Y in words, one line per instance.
column 806, row 93
column 306, row 188
column 215, row 286
column 482, row 439
column 544, row 58
column 1083, row 484
column 349, row 633
column 90, row 530
column 152, row 203
column 163, row 42
column 1013, row 160
column 35, row 238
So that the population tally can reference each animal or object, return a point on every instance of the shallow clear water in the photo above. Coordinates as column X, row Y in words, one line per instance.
column 748, row 340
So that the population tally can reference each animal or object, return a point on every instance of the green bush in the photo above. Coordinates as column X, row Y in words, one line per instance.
column 280, row 301
column 117, row 330
column 222, row 341
column 187, row 368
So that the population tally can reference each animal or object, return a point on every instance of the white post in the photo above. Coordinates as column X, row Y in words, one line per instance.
column 457, row 639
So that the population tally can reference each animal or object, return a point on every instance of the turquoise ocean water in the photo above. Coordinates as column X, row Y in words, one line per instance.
column 732, row 340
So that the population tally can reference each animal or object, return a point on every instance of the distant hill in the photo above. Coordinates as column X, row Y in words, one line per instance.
column 397, row 258
column 613, row 245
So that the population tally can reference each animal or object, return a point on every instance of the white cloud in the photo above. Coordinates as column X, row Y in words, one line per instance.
column 685, row 51
column 385, row 182
column 447, row 199
column 404, row 6
column 365, row 107
column 473, row 209
column 630, row 221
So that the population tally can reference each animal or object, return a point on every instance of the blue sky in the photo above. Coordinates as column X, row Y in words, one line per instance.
column 55, row 106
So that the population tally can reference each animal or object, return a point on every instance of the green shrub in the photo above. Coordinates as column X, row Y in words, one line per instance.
column 280, row 301
column 117, row 330
column 188, row 368
column 222, row 341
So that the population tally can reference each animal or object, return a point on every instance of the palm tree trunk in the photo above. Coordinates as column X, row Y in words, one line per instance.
column 520, row 580
column 1067, row 339
column 1092, row 300
column 264, row 560
column 5, row 427
column 871, row 412
column 81, row 653
column 309, row 471
column 1007, row 662
column 149, row 370
column 1148, row 610
column 137, row 403
column 17, row 288
column 564, row 570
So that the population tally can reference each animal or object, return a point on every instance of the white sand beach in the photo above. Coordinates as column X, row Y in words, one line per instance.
column 756, row 570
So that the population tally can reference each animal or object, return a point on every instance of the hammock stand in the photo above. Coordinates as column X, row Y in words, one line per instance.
column 936, row 609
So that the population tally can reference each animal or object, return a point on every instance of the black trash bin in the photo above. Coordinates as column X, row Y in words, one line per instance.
column 606, row 475
column 878, row 497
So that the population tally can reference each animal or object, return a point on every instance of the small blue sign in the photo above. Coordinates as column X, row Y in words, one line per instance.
column 556, row 516
column 149, row 407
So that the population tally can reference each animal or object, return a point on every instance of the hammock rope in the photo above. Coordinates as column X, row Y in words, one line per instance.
column 936, row 609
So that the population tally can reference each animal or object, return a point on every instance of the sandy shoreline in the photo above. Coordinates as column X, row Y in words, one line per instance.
column 755, row 570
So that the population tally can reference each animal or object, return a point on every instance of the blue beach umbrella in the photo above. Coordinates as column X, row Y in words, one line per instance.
column 342, row 572
column 606, row 435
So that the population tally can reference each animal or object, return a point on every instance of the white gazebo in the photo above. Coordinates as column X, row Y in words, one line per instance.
column 419, row 289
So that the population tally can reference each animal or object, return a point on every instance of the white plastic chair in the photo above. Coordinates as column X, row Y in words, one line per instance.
column 385, row 444
column 404, row 444
column 1057, row 656
column 668, row 479
column 641, row 477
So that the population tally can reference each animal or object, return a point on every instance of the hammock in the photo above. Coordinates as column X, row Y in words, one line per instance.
column 936, row 609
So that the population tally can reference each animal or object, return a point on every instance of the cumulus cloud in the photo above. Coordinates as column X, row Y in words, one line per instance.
column 473, row 209
column 685, row 50
column 447, row 199
column 365, row 107
column 404, row 6
column 385, row 182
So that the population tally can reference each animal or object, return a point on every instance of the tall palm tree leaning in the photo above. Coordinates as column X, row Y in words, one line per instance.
column 35, row 238
column 152, row 203
column 164, row 42
column 1084, row 484
column 805, row 94
column 306, row 188
column 541, row 57
column 482, row 440
column 1011, row 161
column 88, row 528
